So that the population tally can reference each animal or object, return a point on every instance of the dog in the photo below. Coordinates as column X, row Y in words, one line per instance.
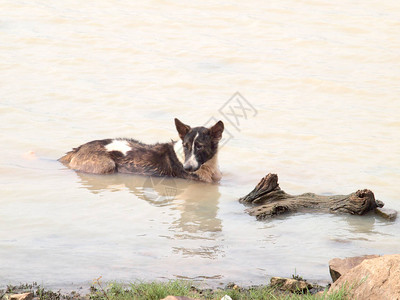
column 194, row 157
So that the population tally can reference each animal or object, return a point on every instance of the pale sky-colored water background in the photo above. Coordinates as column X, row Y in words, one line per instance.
column 323, row 77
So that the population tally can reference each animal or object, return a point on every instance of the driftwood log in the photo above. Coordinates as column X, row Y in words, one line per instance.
column 268, row 200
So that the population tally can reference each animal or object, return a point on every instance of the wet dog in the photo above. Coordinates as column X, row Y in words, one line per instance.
column 194, row 157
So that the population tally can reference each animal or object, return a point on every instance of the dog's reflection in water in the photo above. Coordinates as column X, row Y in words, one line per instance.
column 196, row 201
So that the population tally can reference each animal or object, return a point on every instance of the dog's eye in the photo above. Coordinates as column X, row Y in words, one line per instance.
column 199, row 147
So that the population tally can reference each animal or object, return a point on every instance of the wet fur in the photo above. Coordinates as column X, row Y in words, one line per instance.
column 152, row 160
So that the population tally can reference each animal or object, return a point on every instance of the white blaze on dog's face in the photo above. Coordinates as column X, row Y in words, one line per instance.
column 200, row 144
column 191, row 162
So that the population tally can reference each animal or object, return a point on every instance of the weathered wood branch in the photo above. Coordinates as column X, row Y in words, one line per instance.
column 268, row 200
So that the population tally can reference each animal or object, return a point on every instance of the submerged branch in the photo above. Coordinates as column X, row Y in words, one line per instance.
column 268, row 200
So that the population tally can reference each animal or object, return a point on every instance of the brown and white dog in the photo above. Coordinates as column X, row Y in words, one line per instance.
column 193, row 158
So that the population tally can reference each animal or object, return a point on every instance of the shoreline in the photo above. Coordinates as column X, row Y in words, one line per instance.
column 362, row 277
column 84, row 287
column 102, row 290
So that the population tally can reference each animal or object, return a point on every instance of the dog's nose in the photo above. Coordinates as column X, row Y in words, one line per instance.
column 188, row 168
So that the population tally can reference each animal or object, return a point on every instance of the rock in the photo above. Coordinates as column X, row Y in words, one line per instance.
column 232, row 286
column 24, row 296
column 338, row 266
column 373, row 279
column 290, row 285
column 387, row 213
column 177, row 298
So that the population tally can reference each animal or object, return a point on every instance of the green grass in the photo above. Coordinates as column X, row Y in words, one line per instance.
column 150, row 291
column 159, row 290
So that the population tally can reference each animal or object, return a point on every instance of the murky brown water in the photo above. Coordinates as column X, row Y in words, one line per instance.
column 321, row 81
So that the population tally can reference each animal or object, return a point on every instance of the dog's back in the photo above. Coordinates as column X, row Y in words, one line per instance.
column 125, row 156
column 91, row 157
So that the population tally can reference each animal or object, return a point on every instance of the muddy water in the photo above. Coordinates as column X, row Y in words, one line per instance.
column 318, row 105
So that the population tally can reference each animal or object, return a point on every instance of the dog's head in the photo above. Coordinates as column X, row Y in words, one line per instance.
column 200, row 144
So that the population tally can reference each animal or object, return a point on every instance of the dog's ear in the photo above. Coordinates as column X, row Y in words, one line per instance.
column 216, row 131
column 182, row 129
